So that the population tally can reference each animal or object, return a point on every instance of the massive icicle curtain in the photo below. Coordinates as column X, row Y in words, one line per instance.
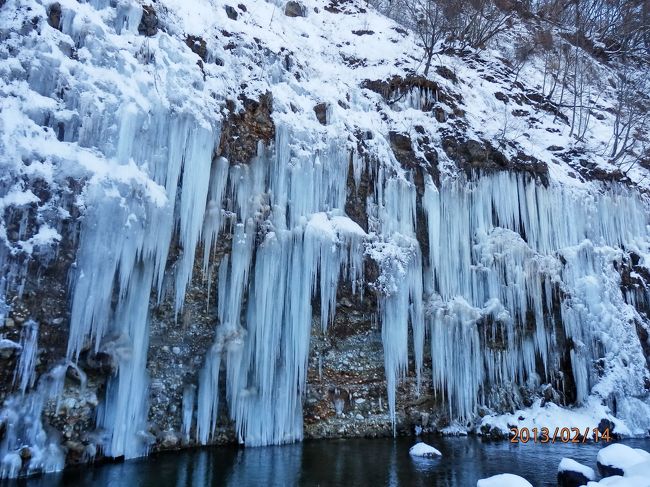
column 516, row 275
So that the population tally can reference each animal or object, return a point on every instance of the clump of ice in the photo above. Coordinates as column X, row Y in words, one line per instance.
column 421, row 449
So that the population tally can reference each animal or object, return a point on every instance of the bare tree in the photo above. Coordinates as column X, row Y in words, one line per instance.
column 428, row 22
column 631, row 114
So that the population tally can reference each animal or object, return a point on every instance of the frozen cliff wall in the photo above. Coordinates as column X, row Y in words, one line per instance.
column 246, row 223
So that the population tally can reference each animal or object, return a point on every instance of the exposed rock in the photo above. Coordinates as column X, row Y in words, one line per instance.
column 321, row 113
column 348, row 7
column 440, row 114
column 472, row 155
column 8, row 348
column 231, row 12
column 242, row 131
column 198, row 46
column 25, row 453
column 447, row 73
column 355, row 203
column 295, row 9
column 54, row 15
column 149, row 22
column 397, row 87
column 169, row 439
column 404, row 151
column 606, row 425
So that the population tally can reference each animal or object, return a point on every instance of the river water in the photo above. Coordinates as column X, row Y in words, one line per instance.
column 376, row 462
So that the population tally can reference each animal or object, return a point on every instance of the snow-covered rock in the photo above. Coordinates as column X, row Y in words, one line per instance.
column 8, row 347
column 504, row 480
column 636, row 476
column 616, row 459
column 421, row 449
column 573, row 474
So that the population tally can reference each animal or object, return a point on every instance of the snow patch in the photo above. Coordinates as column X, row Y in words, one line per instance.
column 421, row 449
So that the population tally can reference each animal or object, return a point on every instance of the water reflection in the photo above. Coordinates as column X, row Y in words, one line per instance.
column 333, row 463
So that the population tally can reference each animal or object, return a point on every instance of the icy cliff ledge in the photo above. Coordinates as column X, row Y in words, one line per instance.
column 216, row 226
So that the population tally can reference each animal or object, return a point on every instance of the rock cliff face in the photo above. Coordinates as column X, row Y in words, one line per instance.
column 225, row 224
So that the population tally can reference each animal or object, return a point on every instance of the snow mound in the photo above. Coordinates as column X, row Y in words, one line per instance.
column 569, row 465
column 621, row 456
column 641, row 480
column 421, row 449
column 504, row 480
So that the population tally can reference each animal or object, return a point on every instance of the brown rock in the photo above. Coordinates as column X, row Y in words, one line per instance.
column 149, row 23
column 54, row 15
column 321, row 113
column 198, row 46
column 243, row 130
column 231, row 13
column 295, row 9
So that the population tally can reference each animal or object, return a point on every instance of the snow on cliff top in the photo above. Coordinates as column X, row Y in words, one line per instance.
column 322, row 58
column 328, row 54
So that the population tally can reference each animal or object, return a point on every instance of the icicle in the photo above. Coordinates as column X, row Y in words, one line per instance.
column 123, row 415
column 309, row 245
column 208, row 397
column 401, row 282
column 189, row 392
column 124, row 247
column 499, row 245
column 24, row 375
column 194, row 193
column 213, row 213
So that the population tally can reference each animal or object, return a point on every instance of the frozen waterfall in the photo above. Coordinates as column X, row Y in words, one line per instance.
column 486, row 284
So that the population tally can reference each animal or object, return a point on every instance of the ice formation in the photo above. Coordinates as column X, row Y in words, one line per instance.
column 518, row 278
column 304, row 246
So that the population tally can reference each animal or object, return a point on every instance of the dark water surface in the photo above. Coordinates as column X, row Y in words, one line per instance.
column 376, row 462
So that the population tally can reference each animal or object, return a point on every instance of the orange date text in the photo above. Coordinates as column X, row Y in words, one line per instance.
column 558, row 435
